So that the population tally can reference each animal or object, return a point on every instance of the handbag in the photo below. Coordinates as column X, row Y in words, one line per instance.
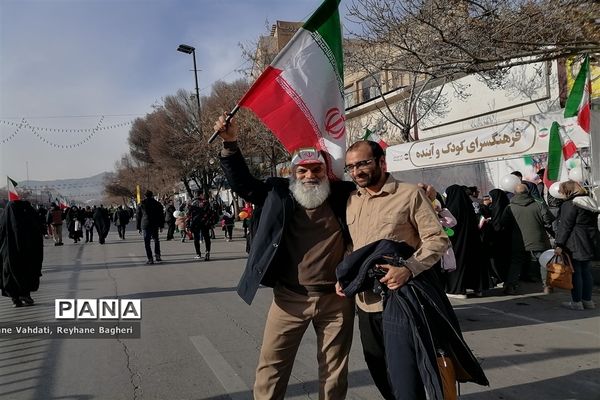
column 447, row 371
column 447, row 375
column 560, row 272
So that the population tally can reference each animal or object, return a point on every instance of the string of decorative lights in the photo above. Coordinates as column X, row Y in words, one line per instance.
column 35, row 130
column 66, row 130
column 19, row 125
column 62, row 186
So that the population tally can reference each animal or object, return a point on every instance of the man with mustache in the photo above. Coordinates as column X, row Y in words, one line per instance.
column 299, row 236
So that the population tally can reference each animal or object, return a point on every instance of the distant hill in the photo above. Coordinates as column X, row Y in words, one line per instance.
column 88, row 190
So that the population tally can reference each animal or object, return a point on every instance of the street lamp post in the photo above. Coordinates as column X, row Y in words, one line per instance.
column 184, row 48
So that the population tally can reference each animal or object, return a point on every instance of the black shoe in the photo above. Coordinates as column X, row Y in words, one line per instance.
column 60, row 244
column 17, row 302
column 27, row 300
column 149, row 262
column 158, row 259
column 511, row 291
column 207, row 257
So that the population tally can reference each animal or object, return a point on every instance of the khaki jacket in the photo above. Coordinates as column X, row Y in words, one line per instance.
column 401, row 212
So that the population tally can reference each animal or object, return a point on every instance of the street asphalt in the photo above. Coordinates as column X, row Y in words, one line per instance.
column 199, row 340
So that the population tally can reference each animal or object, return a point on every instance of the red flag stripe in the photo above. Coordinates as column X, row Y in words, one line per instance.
column 583, row 118
column 280, row 112
column 569, row 149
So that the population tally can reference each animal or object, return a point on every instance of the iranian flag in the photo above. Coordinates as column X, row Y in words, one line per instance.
column 299, row 97
column 12, row 189
column 62, row 203
column 578, row 102
column 554, row 156
column 372, row 136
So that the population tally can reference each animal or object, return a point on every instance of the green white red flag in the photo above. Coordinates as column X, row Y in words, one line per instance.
column 374, row 137
column 12, row 189
column 299, row 97
column 62, row 202
column 552, row 172
column 578, row 103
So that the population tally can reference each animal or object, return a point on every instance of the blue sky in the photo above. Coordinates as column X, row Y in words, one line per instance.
column 64, row 64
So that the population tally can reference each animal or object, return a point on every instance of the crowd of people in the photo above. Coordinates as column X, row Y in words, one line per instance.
column 393, row 253
column 23, row 226
column 498, row 239
column 387, row 251
column 78, row 220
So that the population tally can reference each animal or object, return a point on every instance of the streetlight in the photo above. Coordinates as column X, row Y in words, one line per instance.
column 184, row 48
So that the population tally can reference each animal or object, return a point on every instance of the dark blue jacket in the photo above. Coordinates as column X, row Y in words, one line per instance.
column 274, row 205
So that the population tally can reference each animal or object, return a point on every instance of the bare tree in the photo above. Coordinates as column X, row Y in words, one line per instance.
column 457, row 37
column 434, row 42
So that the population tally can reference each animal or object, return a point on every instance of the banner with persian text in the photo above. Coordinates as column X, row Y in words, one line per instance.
column 506, row 140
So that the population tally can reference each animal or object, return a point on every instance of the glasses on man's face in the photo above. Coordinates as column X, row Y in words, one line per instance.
column 361, row 165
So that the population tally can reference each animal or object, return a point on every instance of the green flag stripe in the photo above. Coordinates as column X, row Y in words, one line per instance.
column 554, row 153
column 326, row 22
column 11, row 181
column 574, row 99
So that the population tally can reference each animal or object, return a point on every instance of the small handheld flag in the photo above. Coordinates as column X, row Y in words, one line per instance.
column 12, row 189
column 373, row 137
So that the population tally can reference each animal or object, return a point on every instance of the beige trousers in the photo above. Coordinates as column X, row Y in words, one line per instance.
column 57, row 233
column 289, row 316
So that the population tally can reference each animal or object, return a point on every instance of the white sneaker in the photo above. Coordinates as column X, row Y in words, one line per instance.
column 573, row 305
column 198, row 257
column 589, row 304
column 456, row 296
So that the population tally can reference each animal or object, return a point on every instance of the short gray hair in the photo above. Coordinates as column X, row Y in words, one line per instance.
column 521, row 188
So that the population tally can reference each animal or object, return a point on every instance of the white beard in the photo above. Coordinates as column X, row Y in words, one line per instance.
column 310, row 196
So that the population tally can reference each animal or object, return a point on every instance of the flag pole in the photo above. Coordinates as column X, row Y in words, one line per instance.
column 227, row 120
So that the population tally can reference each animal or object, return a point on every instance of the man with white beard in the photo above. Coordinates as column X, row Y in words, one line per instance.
column 299, row 236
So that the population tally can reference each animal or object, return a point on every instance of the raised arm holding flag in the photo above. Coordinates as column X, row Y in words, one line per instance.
column 299, row 231
column 299, row 97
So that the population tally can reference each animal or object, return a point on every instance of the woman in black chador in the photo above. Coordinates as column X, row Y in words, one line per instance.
column 21, row 252
column 102, row 223
column 496, row 239
column 472, row 266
